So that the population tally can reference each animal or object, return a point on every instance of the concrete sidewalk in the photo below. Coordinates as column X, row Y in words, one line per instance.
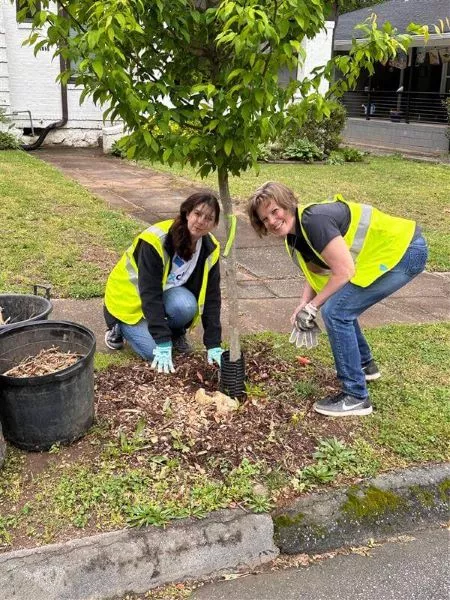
column 269, row 283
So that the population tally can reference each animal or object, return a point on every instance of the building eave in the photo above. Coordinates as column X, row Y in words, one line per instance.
column 418, row 41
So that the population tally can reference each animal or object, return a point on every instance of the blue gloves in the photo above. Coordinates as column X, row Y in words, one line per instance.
column 162, row 358
column 214, row 355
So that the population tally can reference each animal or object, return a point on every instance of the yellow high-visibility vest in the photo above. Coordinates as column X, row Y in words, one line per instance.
column 122, row 297
column 377, row 242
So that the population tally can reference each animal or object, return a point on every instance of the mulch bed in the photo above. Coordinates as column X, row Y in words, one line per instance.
column 275, row 425
column 46, row 362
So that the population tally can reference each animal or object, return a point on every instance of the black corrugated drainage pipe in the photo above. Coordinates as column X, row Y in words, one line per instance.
column 65, row 114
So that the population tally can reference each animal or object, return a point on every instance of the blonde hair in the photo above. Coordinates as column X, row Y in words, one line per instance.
column 281, row 194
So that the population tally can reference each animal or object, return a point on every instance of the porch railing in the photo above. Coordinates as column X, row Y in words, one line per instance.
column 406, row 107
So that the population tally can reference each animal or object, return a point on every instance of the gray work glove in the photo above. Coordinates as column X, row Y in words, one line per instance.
column 306, row 331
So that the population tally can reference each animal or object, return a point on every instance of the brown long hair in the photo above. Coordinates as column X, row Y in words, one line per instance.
column 179, row 231
column 271, row 190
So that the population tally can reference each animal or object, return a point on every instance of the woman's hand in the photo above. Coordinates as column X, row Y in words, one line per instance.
column 297, row 310
column 162, row 358
column 307, row 296
column 214, row 355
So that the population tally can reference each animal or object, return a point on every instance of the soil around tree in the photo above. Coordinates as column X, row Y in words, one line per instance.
column 264, row 427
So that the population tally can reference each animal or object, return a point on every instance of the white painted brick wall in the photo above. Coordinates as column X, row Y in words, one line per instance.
column 318, row 53
column 4, row 74
column 32, row 83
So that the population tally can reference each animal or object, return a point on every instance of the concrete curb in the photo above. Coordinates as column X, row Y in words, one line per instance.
column 136, row 560
column 377, row 508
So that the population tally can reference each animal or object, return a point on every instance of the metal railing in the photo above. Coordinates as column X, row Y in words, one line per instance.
column 398, row 107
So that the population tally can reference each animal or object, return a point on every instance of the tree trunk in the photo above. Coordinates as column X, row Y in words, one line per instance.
column 230, row 270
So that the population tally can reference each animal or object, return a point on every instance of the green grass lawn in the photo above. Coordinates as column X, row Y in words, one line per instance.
column 54, row 231
column 417, row 190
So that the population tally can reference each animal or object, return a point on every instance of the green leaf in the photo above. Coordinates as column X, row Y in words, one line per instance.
column 131, row 151
column 259, row 97
column 97, row 65
column 228, row 146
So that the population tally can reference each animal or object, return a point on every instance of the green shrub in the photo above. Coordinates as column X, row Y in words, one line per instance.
column 353, row 155
column 338, row 157
column 303, row 150
column 8, row 141
column 326, row 134
column 273, row 151
column 264, row 153
column 116, row 150
column 335, row 158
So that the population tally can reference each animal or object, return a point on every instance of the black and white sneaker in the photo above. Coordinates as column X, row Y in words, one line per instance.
column 371, row 371
column 343, row 405
column 114, row 338
column 181, row 345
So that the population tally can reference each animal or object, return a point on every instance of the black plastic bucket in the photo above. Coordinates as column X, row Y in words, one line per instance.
column 232, row 375
column 22, row 308
column 37, row 412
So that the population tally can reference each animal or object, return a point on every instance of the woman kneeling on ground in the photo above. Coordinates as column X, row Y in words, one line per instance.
column 165, row 281
column 352, row 256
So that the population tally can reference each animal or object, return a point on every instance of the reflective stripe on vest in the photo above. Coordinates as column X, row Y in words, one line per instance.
column 361, row 230
column 209, row 263
column 122, row 297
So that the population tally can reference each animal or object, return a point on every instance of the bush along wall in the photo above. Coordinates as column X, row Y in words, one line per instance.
column 314, row 140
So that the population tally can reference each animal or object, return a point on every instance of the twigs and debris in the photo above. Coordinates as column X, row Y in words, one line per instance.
column 46, row 362
column 3, row 321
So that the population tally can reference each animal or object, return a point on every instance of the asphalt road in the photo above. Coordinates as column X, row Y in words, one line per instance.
column 413, row 569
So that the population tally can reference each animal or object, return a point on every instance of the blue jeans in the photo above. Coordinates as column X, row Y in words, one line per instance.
column 340, row 312
column 180, row 306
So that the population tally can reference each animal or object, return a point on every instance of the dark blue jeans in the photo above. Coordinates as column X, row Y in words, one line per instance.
column 340, row 312
column 180, row 305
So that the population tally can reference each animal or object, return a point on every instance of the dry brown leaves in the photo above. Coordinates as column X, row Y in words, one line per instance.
column 45, row 362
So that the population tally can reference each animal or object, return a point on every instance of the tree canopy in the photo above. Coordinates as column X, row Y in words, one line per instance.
column 197, row 80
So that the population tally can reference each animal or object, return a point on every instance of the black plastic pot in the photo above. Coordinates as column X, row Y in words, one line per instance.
column 37, row 412
column 232, row 376
column 22, row 308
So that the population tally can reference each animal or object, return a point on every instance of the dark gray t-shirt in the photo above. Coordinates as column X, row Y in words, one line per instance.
column 322, row 223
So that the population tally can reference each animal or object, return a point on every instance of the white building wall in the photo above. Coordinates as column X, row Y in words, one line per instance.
column 5, row 101
column 31, row 83
column 318, row 53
